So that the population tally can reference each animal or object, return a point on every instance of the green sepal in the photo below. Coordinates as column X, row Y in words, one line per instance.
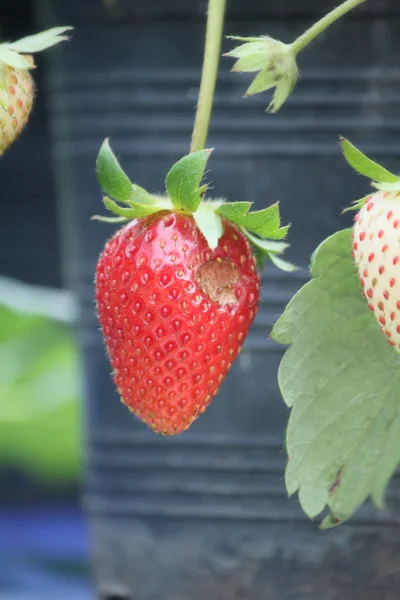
column 385, row 186
column 40, row 41
column 269, row 249
column 113, row 180
column 364, row 165
column 10, row 51
column 135, row 211
column 234, row 211
column 357, row 204
column 265, row 222
column 183, row 181
column 109, row 219
column 210, row 224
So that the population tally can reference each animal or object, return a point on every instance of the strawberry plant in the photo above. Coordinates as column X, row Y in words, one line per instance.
column 177, row 290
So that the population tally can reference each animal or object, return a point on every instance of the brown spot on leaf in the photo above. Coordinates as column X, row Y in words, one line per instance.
column 336, row 483
column 216, row 279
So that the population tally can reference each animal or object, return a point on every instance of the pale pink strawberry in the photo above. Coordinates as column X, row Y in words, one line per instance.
column 376, row 248
column 16, row 83
column 16, row 99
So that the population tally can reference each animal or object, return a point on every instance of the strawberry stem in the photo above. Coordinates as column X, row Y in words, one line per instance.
column 308, row 36
column 212, row 51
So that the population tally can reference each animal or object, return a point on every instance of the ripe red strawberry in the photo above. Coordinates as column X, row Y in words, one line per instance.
column 177, row 289
column 16, row 83
column 376, row 245
column 174, row 314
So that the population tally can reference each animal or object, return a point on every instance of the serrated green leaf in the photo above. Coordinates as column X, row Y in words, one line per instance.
column 113, row 180
column 265, row 222
column 135, row 211
column 40, row 41
column 234, row 211
column 364, row 165
column 183, row 180
column 342, row 380
column 210, row 224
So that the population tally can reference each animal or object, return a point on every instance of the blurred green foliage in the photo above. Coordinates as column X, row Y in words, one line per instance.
column 39, row 396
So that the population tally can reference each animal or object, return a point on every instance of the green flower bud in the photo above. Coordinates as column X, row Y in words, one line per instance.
column 276, row 63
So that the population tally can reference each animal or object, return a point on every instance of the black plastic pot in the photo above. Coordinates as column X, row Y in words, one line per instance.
column 205, row 514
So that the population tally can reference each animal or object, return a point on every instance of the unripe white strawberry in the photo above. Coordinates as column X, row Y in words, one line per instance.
column 16, row 83
column 376, row 248
column 16, row 99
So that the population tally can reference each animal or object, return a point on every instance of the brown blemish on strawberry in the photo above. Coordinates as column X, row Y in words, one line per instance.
column 216, row 278
column 380, row 305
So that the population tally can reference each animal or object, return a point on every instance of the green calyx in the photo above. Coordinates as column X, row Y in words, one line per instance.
column 276, row 65
column 185, row 194
column 11, row 53
column 381, row 178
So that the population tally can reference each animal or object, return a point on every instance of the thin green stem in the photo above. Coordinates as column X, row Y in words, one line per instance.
column 323, row 24
column 212, row 51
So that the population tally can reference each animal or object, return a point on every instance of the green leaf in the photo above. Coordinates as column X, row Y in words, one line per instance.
column 112, row 178
column 210, row 224
column 40, row 41
column 135, row 211
column 342, row 380
column 183, row 180
column 364, row 165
